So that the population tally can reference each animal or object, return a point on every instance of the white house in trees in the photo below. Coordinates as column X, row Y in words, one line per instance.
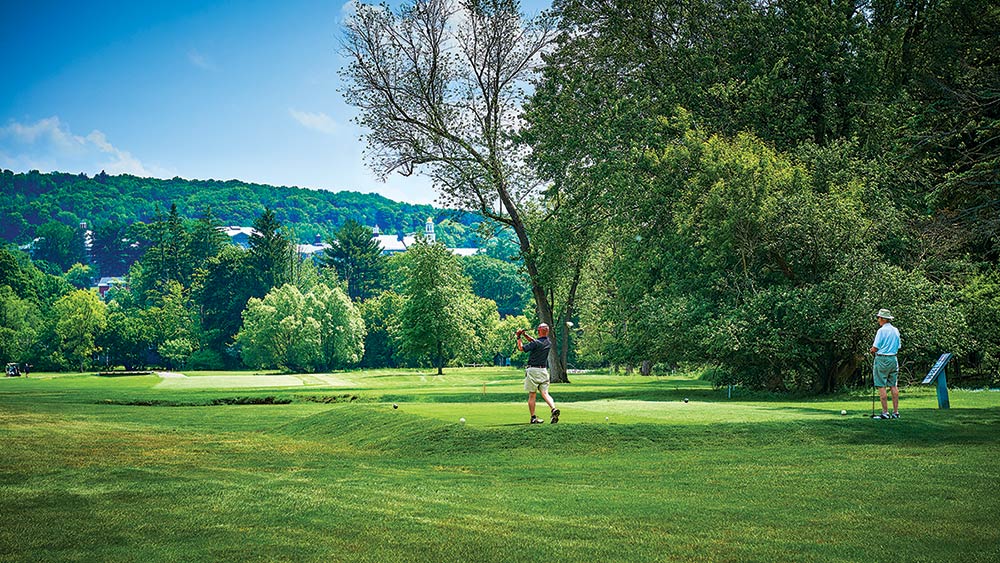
column 390, row 244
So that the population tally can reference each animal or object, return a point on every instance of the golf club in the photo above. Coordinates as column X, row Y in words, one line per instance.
column 873, row 386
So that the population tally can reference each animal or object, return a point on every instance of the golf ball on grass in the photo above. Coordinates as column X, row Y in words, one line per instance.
column 395, row 406
column 685, row 399
column 843, row 412
column 462, row 420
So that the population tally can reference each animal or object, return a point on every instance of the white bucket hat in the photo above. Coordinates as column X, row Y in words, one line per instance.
column 884, row 314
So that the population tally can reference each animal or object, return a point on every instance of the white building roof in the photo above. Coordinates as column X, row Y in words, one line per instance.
column 391, row 243
column 232, row 231
column 388, row 243
column 310, row 249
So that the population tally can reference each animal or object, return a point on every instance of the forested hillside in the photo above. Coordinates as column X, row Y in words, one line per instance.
column 33, row 199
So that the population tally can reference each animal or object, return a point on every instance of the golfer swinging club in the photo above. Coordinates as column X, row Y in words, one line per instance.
column 885, row 368
column 536, row 376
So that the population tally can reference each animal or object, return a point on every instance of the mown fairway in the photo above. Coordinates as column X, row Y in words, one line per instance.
column 163, row 469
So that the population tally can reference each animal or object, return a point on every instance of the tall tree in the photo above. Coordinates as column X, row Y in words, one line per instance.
column 110, row 248
column 277, row 333
column 440, row 89
column 174, row 325
column 168, row 259
column 342, row 328
column 220, row 292
column 357, row 258
column 128, row 338
column 80, row 276
column 435, row 319
column 272, row 254
column 80, row 317
column 206, row 239
column 13, row 275
column 381, row 316
column 945, row 59
column 19, row 323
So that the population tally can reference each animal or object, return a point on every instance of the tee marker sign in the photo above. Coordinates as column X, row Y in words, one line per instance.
column 938, row 372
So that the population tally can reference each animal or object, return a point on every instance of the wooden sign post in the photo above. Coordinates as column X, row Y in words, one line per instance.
column 942, row 384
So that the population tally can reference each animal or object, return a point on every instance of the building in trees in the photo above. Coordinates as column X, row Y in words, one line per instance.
column 393, row 244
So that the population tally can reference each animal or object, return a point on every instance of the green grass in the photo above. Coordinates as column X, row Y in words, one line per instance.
column 89, row 472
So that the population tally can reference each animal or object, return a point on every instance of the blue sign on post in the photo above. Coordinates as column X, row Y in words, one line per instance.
column 938, row 371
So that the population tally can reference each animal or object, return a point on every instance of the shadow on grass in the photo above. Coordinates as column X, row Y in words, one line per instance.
column 565, row 394
column 371, row 430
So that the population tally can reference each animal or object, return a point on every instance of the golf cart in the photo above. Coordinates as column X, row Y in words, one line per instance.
column 13, row 371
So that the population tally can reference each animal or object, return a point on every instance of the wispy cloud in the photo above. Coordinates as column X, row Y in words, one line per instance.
column 348, row 10
column 318, row 121
column 199, row 60
column 48, row 144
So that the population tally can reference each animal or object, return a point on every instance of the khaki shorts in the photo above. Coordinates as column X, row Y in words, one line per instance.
column 885, row 371
column 536, row 379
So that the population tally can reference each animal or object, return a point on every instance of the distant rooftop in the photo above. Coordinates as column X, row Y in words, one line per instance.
column 310, row 249
column 390, row 244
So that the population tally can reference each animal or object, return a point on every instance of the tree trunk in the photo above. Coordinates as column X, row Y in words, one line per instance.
column 566, row 316
column 440, row 359
column 838, row 372
column 646, row 368
column 557, row 369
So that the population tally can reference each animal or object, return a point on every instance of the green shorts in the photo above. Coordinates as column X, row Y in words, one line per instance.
column 885, row 371
column 536, row 379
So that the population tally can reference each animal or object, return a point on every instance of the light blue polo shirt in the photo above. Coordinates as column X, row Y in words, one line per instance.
column 887, row 340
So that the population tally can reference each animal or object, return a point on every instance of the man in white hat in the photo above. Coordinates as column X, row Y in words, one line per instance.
column 885, row 369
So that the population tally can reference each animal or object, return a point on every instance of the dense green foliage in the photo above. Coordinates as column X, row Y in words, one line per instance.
column 499, row 281
column 80, row 315
column 746, row 183
column 316, row 330
column 18, row 325
column 59, row 244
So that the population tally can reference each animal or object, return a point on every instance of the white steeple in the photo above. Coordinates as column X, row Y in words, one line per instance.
column 429, row 231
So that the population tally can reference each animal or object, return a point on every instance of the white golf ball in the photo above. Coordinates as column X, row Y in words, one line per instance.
column 685, row 399
column 462, row 420
column 395, row 406
column 843, row 412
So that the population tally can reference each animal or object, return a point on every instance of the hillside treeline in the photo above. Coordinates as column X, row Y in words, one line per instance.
column 34, row 199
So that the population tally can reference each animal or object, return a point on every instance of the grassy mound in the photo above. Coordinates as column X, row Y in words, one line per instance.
column 375, row 428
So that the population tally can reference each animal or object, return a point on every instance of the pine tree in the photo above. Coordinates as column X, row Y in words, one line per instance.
column 272, row 254
column 357, row 258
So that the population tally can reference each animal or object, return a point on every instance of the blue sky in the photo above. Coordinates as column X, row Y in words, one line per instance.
column 226, row 90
